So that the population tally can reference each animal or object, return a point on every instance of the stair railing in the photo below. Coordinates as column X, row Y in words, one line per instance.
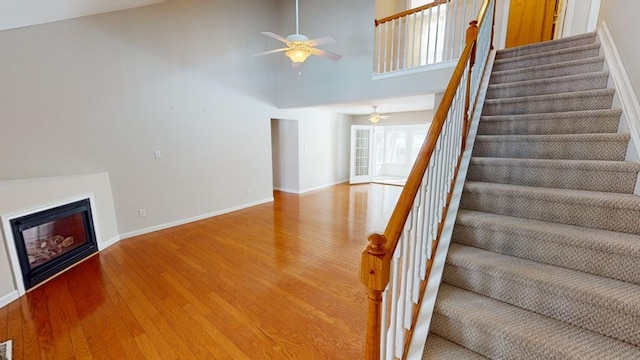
column 396, row 264
column 425, row 35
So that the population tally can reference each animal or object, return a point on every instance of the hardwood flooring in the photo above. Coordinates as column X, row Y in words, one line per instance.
column 275, row 281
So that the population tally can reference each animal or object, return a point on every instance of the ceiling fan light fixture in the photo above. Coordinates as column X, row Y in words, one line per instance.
column 374, row 118
column 298, row 55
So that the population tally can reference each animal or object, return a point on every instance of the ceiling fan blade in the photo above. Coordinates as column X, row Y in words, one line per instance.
column 320, row 41
column 271, row 52
column 326, row 54
column 275, row 36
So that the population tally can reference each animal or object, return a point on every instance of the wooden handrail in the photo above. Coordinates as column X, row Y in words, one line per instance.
column 409, row 12
column 376, row 258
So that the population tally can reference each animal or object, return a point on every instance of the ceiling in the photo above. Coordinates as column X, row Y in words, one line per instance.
column 15, row 14
column 385, row 106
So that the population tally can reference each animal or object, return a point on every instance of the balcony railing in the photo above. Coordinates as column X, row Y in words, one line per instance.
column 426, row 35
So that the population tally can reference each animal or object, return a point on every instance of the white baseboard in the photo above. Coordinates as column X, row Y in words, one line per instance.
column 292, row 191
column 323, row 186
column 10, row 297
column 108, row 243
column 300, row 192
column 625, row 94
column 192, row 219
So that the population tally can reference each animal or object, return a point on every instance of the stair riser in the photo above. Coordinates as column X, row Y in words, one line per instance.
column 537, row 246
column 544, row 47
column 558, row 302
column 476, row 337
column 537, row 105
column 559, row 210
column 549, row 87
column 499, row 78
column 501, row 65
column 560, row 178
column 575, row 150
column 549, row 127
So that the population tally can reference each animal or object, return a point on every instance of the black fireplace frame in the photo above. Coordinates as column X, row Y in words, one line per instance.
column 34, row 276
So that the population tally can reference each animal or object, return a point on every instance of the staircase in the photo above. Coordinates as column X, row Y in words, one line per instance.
column 544, row 262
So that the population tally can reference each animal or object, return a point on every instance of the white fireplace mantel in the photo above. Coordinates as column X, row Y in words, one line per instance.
column 19, row 197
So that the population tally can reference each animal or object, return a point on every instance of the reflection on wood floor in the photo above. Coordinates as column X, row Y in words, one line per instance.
column 275, row 281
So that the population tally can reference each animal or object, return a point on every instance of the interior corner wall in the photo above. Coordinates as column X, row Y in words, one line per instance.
column 322, row 147
column 284, row 142
column 102, row 93
column 621, row 18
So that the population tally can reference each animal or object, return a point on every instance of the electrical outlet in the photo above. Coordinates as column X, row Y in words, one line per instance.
column 142, row 213
column 247, row 191
column 157, row 154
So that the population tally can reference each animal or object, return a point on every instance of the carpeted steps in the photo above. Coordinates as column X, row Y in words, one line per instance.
column 589, row 175
column 545, row 253
column 568, row 122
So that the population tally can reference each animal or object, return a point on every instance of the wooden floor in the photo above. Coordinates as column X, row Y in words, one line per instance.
column 275, row 281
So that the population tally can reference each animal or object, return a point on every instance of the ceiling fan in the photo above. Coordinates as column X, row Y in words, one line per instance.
column 375, row 116
column 299, row 47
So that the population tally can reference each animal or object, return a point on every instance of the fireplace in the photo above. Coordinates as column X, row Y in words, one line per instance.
column 49, row 241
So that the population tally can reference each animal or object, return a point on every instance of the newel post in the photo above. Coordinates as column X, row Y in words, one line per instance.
column 472, row 37
column 374, row 274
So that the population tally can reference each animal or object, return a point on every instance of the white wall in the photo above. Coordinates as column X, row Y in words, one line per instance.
column 19, row 13
column 284, row 142
column 322, row 148
column 621, row 19
column 101, row 93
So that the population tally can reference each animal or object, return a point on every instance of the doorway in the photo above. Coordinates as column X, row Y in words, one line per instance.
column 384, row 153
column 531, row 21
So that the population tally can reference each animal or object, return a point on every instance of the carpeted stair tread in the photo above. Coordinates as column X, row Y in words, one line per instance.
column 578, row 66
column 563, row 146
column 570, row 122
column 550, row 57
column 599, row 210
column 599, row 252
column 606, row 306
column 546, row 46
column 590, row 175
column 439, row 348
column 502, row 331
column 571, row 101
column 561, row 84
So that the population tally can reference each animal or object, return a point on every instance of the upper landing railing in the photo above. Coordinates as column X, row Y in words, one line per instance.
column 426, row 35
column 396, row 265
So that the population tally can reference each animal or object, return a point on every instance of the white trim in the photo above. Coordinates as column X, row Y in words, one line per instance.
column 323, row 186
column 419, row 339
column 416, row 70
column 192, row 219
column 594, row 12
column 624, row 90
column 106, row 244
column 568, row 18
column 10, row 241
column 9, row 298
column 505, row 24
column 292, row 191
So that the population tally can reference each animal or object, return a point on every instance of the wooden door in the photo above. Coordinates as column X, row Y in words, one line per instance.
column 530, row 21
